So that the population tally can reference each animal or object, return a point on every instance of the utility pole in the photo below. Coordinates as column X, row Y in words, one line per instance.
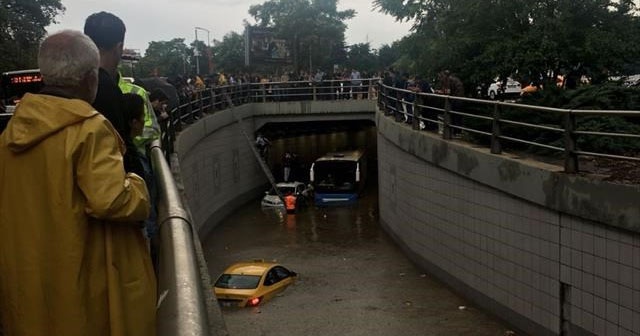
column 310, row 65
column 208, row 51
column 196, row 53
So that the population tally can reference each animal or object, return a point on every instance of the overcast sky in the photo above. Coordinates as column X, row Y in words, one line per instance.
column 163, row 20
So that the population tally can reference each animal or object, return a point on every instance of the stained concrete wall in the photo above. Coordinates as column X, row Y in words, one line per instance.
column 516, row 237
column 218, row 169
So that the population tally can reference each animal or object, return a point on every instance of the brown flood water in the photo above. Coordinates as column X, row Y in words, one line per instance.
column 353, row 279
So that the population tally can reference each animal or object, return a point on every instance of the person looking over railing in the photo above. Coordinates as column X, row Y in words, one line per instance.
column 107, row 32
column 159, row 101
column 356, row 84
column 73, row 260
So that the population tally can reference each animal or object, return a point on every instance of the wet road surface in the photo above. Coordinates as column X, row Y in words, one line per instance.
column 353, row 279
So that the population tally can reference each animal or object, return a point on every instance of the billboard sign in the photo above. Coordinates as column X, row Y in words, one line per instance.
column 263, row 47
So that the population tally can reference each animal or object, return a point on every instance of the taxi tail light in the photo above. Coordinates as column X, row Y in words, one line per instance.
column 254, row 301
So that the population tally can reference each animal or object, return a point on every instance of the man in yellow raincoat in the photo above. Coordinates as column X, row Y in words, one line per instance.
column 73, row 260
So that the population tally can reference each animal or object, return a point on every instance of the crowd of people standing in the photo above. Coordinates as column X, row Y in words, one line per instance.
column 402, row 100
column 284, row 85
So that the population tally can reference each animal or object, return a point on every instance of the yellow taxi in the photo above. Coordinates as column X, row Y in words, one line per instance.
column 249, row 284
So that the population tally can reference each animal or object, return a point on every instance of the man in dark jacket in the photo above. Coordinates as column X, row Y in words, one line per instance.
column 107, row 32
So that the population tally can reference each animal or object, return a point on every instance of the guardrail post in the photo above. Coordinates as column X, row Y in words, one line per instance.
column 314, row 91
column 176, row 120
column 172, row 136
column 496, row 146
column 570, row 157
column 213, row 99
column 399, row 111
column 384, row 96
column 416, row 113
column 264, row 93
column 446, row 120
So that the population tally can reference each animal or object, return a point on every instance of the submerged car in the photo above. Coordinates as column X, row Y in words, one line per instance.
column 298, row 189
column 249, row 284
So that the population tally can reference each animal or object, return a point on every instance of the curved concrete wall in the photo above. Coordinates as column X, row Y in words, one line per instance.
column 218, row 169
column 531, row 244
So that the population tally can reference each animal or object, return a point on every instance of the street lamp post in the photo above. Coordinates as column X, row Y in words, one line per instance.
column 196, row 49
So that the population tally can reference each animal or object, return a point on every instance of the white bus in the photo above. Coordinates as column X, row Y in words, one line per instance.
column 339, row 177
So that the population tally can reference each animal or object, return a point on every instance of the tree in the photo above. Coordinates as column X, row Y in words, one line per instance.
column 361, row 57
column 166, row 58
column 388, row 55
column 228, row 54
column 480, row 39
column 201, row 53
column 313, row 28
column 22, row 28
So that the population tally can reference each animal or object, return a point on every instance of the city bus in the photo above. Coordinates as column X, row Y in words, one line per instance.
column 13, row 85
column 338, row 177
column 16, row 83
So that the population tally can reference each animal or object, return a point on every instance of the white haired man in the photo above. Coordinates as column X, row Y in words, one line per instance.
column 73, row 260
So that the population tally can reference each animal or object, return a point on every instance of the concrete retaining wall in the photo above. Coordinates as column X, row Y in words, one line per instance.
column 518, row 238
column 218, row 168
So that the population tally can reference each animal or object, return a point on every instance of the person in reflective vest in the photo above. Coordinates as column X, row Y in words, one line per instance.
column 290, row 202
column 151, row 130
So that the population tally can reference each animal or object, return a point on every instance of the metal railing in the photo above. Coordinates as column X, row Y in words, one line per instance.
column 494, row 123
column 222, row 97
column 182, row 304
column 182, row 309
column 449, row 115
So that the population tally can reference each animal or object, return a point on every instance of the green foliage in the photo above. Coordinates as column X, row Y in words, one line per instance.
column 480, row 39
column 228, row 54
column 589, row 97
column 200, row 57
column 610, row 145
column 166, row 58
column 389, row 54
column 361, row 57
column 314, row 28
column 22, row 28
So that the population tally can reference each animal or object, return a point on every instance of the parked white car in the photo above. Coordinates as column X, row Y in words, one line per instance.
column 513, row 88
column 299, row 189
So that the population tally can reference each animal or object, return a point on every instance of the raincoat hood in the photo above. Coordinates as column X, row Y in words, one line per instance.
column 73, row 259
column 39, row 116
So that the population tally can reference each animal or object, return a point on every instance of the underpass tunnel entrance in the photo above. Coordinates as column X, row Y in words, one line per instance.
column 307, row 141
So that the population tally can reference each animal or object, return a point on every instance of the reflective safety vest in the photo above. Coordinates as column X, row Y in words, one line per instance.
column 290, row 202
column 151, row 130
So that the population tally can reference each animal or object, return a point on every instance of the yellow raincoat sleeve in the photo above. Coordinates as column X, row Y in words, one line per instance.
column 111, row 193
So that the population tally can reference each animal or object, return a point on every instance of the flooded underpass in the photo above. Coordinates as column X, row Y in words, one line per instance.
column 353, row 279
